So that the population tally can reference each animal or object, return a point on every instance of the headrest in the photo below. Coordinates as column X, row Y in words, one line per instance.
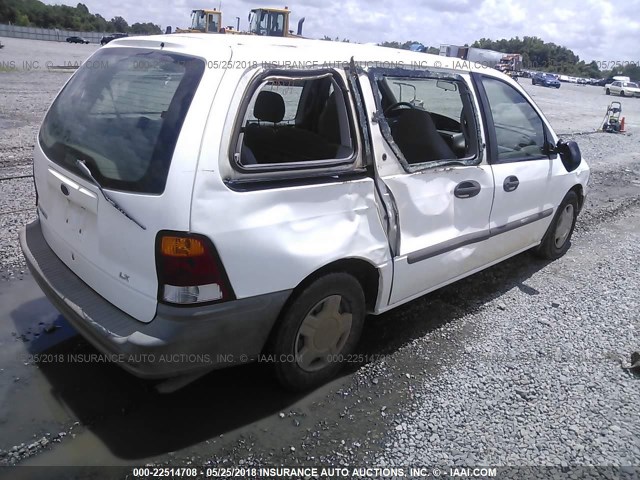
column 269, row 107
column 415, row 121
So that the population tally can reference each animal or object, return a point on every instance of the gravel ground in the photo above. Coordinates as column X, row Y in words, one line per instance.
column 40, row 55
column 24, row 100
column 540, row 382
column 575, row 108
column 521, row 364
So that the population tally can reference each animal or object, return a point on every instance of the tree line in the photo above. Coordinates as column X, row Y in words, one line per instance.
column 33, row 13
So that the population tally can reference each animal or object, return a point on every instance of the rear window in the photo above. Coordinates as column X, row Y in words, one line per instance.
column 122, row 117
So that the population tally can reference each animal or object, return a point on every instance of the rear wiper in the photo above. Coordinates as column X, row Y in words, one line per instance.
column 83, row 167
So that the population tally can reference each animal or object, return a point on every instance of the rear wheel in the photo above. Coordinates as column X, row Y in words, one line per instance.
column 557, row 240
column 318, row 331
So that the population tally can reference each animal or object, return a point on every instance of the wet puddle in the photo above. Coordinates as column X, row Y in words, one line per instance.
column 106, row 416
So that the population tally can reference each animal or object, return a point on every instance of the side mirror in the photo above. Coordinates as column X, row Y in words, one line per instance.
column 569, row 154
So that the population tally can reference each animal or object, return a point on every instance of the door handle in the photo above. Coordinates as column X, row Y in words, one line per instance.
column 467, row 189
column 510, row 183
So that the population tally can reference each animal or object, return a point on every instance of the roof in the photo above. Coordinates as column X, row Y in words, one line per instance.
column 297, row 52
column 277, row 10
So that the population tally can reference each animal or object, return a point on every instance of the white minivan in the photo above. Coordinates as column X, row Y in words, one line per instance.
column 210, row 200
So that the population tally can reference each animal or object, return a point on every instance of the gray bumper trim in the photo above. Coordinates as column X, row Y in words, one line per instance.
column 179, row 340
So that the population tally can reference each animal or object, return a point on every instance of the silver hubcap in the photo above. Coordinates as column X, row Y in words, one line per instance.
column 564, row 225
column 323, row 333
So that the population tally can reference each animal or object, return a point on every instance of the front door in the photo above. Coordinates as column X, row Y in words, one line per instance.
column 523, row 171
column 430, row 161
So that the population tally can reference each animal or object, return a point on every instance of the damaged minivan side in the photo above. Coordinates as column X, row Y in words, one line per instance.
column 220, row 216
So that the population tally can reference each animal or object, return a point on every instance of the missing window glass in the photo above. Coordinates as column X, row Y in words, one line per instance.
column 428, row 120
column 295, row 122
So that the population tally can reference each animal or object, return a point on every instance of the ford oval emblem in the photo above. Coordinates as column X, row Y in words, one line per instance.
column 64, row 189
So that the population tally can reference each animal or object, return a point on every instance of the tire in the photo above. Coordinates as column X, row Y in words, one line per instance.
column 607, row 91
column 557, row 239
column 334, row 323
column 622, row 93
column 533, row 82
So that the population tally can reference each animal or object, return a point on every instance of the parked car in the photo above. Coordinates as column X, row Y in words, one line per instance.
column 77, row 40
column 628, row 89
column 108, row 38
column 545, row 79
column 193, row 216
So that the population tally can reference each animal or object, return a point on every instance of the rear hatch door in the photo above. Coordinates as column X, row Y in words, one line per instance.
column 121, row 116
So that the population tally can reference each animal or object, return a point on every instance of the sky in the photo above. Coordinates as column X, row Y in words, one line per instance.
column 594, row 29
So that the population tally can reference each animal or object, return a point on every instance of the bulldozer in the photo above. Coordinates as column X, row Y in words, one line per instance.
column 272, row 22
column 203, row 21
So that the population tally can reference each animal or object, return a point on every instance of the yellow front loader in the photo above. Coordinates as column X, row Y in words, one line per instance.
column 204, row 21
column 272, row 22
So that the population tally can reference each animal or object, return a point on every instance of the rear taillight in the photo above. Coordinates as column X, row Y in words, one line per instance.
column 189, row 270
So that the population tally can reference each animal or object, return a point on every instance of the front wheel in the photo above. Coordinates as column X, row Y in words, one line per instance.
column 622, row 93
column 607, row 91
column 557, row 240
column 317, row 332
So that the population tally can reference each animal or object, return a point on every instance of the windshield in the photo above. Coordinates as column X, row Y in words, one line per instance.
column 198, row 20
column 267, row 23
column 439, row 97
column 123, row 119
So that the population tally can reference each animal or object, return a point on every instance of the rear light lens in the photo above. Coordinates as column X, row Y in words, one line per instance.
column 189, row 270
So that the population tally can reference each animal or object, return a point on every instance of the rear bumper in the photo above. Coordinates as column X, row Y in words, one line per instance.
column 179, row 340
